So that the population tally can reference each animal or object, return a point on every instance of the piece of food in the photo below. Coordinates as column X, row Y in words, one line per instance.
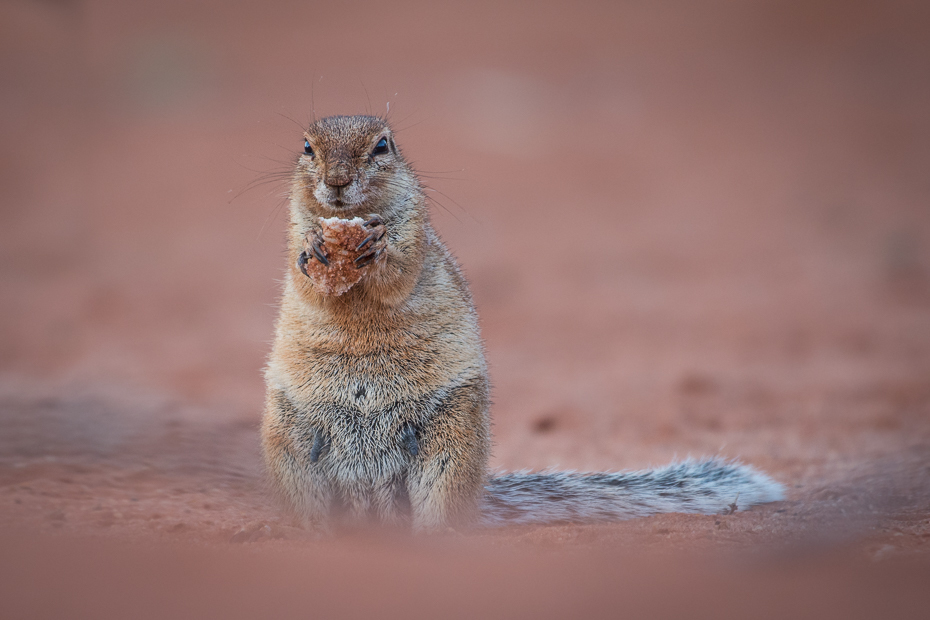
column 340, row 238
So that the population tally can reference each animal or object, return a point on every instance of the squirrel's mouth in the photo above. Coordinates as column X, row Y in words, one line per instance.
column 337, row 201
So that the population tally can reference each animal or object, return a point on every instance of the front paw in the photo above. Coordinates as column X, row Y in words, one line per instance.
column 337, row 253
column 374, row 244
column 313, row 249
column 315, row 246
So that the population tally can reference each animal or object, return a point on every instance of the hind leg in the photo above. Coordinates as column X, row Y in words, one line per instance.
column 446, row 478
column 372, row 504
column 292, row 451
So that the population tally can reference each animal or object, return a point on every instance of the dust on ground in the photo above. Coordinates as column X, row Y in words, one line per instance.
column 690, row 230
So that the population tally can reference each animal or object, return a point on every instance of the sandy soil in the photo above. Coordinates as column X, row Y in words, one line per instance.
column 690, row 230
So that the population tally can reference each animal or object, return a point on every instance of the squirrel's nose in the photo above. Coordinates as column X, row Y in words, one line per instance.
column 338, row 177
column 337, row 181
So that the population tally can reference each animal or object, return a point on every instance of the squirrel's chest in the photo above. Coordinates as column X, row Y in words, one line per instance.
column 372, row 375
column 369, row 386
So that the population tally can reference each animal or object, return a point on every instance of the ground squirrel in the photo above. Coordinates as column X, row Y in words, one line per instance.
column 377, row 401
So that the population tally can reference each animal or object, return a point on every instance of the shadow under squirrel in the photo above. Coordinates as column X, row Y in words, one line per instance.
column 377, row 387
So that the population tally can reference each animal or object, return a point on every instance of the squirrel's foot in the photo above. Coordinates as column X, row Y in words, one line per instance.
column 316, row 528
column 374, row 244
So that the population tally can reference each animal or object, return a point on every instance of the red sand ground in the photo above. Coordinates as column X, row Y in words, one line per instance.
column 690, row 229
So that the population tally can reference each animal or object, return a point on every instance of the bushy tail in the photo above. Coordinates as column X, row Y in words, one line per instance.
column 705, row 487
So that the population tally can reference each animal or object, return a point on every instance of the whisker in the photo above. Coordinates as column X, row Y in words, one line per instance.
column 273, row 216
column 282, row 115
column 452, row 200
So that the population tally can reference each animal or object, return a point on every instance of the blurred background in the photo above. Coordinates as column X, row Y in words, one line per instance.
column 690, row 228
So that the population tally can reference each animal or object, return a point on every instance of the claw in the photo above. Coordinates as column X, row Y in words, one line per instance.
column 302, row 263
column 367, row 258
column 374, row 221
column 318, row 253
column 369, row 239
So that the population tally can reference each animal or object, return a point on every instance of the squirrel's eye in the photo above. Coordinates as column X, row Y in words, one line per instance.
column 307, row 149
column 381, row 148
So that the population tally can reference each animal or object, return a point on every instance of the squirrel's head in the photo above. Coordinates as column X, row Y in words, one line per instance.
column 349, row 164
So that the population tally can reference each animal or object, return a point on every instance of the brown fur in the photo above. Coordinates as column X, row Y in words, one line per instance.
column 377, row 406
column 348, row 375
